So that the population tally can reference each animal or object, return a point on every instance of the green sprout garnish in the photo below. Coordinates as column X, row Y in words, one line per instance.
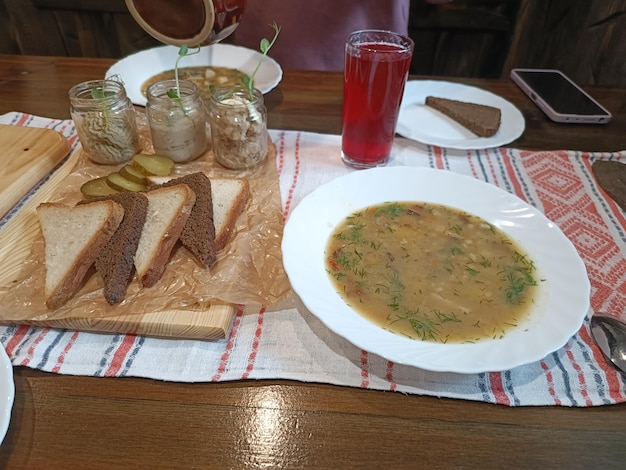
column 99, row 94
column 265, row 46
column 182, row 52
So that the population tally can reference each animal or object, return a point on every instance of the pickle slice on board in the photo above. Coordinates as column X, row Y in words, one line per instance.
column 133, row 174
column 118, row 182
column 97, row 187
column 157, row 165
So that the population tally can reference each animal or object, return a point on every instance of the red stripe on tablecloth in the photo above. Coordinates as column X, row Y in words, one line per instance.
column 365, row 379
column 392, row 384
column 61, row 358
column 224, row 360
column 438, row 154
column 512, row 175
column 495, row 380
column 472, row 166
column 16, row 338
column 612, row 376
column 296, row 174
column 550, row 381
column 490, row 166
column 73, row 139
column 280, row 154
column 120, row 355
column 22, row 120
column 581, row 376
column 255, row 344
column 31, row 350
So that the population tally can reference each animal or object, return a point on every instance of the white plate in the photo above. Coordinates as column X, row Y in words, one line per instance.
column 422, row 123
column 558, row 312
column 139, row 67
column 7, row 392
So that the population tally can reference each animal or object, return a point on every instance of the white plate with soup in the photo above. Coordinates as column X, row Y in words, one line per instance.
column 444, row 228
column 220, row 64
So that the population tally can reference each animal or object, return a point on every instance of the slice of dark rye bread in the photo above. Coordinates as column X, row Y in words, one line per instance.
column 198, row 236
column 230, row 197
column 482, row 120
column 115, row 262
column 611, row 176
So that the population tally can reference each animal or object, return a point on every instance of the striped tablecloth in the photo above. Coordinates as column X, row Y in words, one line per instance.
column 293, row 344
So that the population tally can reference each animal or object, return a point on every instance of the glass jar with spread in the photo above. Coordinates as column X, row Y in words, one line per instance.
column 178, row 123
column 105, row 121
column 238, row 120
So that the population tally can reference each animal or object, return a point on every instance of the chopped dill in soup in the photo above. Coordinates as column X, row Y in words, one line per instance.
column 431, row 272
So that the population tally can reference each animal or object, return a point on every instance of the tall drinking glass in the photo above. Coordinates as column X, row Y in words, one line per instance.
column 376, row 69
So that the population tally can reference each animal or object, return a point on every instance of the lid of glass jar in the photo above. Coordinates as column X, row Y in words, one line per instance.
column 193, row 22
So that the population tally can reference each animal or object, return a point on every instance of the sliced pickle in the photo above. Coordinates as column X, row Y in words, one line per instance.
column 157, row 165
column 97, row 187
column 133, row 174
column 118, row 182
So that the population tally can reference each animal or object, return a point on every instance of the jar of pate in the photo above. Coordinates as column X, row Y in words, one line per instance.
column 238, row 120
column 177, row 120
column 105, row 121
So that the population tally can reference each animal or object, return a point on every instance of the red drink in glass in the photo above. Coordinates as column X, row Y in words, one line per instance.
column 376, row 69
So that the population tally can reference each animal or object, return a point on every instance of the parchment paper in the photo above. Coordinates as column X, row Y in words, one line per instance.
column 248, row 270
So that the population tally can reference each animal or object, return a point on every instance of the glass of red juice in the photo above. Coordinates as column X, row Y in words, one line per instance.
column 376, row 69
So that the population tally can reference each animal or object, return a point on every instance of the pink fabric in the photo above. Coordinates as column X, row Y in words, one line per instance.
column 313, row 32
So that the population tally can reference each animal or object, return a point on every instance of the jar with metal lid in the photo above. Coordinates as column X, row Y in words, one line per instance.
column 238, row 120
column 105, row 121
column 178, row 123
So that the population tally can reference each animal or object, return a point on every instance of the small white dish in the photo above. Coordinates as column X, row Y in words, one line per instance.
column 424, row 124
column 7, row 392
column 558, row 311
column 136, row 68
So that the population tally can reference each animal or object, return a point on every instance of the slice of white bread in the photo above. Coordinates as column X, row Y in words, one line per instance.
column 230, row 197
column 168, row 211
column 73, row 237
column 482, row 120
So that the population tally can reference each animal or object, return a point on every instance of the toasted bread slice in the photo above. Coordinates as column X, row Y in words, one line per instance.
column 482, row 120
column 168, row 211
column 198, row 236
column 230, row 197
column 73, row 238
column 116, row 259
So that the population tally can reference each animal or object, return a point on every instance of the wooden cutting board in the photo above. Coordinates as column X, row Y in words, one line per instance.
column 29, row 154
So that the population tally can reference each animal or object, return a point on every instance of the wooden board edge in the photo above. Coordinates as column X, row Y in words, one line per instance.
column 218, row 319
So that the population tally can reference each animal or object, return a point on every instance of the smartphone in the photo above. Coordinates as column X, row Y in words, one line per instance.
column 559, row 97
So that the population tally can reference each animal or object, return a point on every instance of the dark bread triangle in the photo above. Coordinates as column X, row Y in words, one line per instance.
column 198, row 236
column 482, row 120
column 611, row 176
column 115, row 261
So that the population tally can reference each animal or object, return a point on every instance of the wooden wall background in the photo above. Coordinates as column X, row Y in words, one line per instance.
column 465, row 38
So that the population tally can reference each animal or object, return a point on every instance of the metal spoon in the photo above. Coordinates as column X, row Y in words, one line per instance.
column 610, row 335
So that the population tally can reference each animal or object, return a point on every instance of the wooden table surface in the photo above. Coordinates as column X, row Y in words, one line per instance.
column 87, row 422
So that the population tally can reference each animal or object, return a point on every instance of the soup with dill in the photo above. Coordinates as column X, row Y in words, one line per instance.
column 202, row 76
column 431, row 272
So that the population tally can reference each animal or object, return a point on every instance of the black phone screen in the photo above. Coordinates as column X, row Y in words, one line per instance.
column 559, row 93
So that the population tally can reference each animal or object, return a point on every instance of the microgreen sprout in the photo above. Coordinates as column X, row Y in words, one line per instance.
column 265, row 46
column 182, row 52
